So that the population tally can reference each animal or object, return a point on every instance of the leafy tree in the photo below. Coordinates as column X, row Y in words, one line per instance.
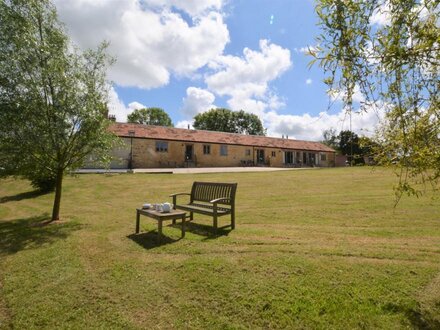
column 369, row 146
column 52, row 97
column 349, row 146
column 150, row 116
column 247, row 123
column 331, row 138
column 395, row 65
column 225, row 120
column 215, row 120
column 349, row 143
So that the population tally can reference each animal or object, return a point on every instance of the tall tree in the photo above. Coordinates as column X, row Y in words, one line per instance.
column 331, row 138
column 395, row 62
column 52, row 97
column 225, row 120
column 150, row 116
column 349, row 146
column 247, row 123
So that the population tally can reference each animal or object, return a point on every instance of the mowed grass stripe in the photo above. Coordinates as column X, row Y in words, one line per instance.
column 312, row 249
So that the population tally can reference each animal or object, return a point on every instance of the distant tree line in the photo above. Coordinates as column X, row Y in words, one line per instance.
column 349, row 144
column 150, row 116
column 225, row 120
column 220, row 119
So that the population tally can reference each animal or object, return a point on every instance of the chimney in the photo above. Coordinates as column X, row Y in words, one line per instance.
column 282, row 136
column 112, row 118
column 287, row 136
column 188, row 126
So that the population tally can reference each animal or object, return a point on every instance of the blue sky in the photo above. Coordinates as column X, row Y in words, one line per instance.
column 189, row 56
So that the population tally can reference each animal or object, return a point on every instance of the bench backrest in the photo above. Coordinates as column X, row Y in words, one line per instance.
column 207, row 191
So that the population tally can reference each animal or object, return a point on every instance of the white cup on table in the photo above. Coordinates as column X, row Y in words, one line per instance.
column 166, row 207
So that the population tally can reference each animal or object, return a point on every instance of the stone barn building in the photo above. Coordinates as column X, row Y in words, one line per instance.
column 164, row 147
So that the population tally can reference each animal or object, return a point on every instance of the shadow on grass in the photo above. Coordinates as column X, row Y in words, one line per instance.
column 148, row 240
column 417, row 319
column 21, row 196
column 205, row 230
column 30, row 233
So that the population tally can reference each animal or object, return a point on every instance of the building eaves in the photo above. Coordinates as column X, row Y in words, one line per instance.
column 200, row 136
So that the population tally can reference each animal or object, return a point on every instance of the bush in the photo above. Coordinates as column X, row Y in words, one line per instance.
column 42, row 181
column 44, row 184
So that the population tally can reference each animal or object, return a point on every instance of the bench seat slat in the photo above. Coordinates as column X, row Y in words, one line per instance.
column 203, row 209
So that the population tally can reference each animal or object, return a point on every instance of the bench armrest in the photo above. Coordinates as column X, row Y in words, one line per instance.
column 175, row 198
column 172, row 195
column 217, row 200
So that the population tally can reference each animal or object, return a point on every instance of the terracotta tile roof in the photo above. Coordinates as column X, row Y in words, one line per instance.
column 186, row 135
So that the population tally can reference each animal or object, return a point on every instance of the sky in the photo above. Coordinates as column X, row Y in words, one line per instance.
column 188, row 56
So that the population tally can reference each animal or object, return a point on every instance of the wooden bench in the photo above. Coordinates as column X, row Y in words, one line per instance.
column 210, row 198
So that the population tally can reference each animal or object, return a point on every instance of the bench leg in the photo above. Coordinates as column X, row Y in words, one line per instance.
column 214, row 218
column 233, row 220
column 137, row 222
column 159, row 231
column 183, row 225
column 191, row 215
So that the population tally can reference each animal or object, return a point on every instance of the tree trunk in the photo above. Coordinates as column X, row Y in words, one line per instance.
column 57, row 200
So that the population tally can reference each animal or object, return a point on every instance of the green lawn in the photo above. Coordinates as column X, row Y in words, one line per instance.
column 313, row 249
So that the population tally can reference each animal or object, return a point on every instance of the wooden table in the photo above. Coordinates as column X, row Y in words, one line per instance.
column 160, row 217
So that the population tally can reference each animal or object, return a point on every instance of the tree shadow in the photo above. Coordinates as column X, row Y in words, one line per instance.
column 30, row 233
column 148, row 240
column 417, row 319
column 21, row 196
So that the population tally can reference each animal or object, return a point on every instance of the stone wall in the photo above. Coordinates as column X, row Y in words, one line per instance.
column 145, row 155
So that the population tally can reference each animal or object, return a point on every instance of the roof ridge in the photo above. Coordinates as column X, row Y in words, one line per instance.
column 220, row 132
column 205, row 136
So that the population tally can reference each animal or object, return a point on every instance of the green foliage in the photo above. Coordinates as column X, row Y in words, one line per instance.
column 44, row 181
column 52, row 97
column 150, row 116
column 369, row 146
column 215, row 120
column 396, row 66
column 225, row 120
column 331, row 138
column 349, row 145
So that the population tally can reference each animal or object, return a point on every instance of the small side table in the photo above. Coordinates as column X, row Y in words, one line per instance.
column 160, row 216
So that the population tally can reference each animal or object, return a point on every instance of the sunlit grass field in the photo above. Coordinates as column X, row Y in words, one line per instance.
column 312, row 249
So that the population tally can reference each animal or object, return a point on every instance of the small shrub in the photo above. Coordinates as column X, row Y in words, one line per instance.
column 43, row 182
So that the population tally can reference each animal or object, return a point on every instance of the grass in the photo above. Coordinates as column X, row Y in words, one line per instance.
column 317, row 249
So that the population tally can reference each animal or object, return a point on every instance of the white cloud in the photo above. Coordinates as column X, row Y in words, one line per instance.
column 197, row 100
column 245, row 79
column 248, row 104
column 184, row 124
column 307, row 50
column 117, row 107
column 148, row 38
column 382, row 15
column 192, row 7
column 338, row 95
column 306, row 127
column 309, row 81
column 135, row 106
